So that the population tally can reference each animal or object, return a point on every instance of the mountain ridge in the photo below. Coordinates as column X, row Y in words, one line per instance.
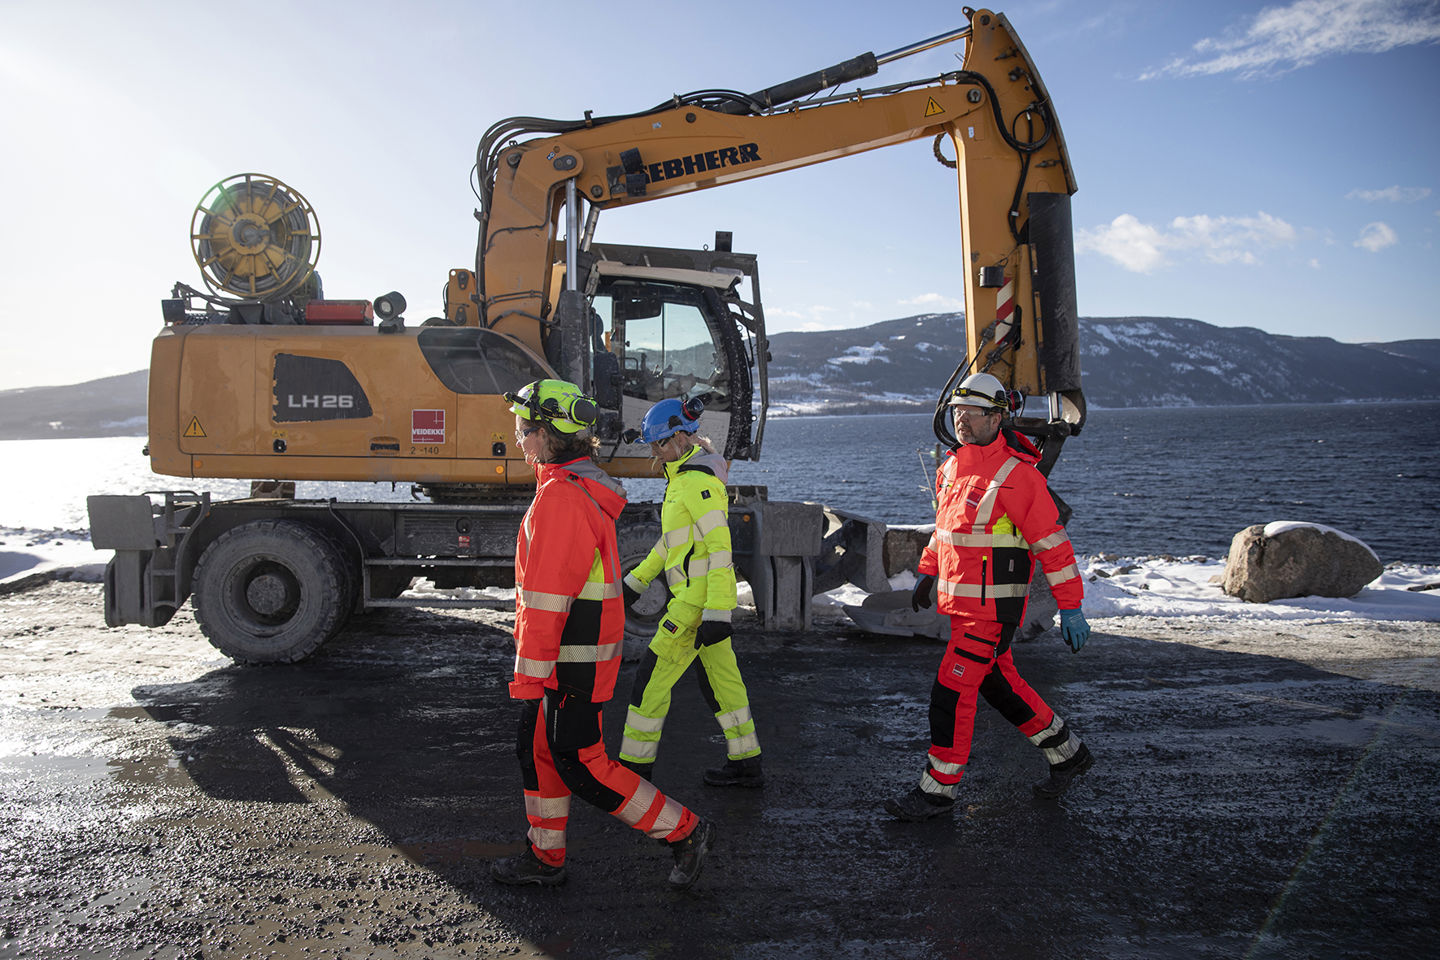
column 899, row 366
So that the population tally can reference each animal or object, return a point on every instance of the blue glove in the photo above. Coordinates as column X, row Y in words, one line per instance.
column 1074, row 628
column 920, row 596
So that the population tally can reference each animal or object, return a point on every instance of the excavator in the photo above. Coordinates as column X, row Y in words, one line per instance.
column 262, row 377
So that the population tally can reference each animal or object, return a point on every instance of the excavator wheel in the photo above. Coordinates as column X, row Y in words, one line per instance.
column 270, row 591
column 641, row 620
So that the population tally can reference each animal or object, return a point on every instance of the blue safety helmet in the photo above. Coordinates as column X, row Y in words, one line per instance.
column 668, row 417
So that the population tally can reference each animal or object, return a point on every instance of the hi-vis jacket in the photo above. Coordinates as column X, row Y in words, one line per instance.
column 995, row 514
column 694, row 546
column 569, row 613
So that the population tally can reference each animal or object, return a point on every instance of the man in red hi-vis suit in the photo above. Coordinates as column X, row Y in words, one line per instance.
column 994, row 516
column 569, row 634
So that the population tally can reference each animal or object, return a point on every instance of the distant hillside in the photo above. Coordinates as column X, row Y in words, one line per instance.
column 1125, row 362
column 110, row 407
column 899, row 365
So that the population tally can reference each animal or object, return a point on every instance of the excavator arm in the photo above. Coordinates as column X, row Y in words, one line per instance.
column 1013, row 172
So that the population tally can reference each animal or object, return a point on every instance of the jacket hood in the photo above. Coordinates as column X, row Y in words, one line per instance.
column 608, row 492
column 698, row 456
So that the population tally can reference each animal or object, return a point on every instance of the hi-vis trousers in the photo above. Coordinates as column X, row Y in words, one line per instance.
column 561, row 752
column 670, row 654
column 978, row 663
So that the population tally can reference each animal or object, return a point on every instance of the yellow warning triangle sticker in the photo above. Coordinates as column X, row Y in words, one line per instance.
column 194, row 430
column 933, row 108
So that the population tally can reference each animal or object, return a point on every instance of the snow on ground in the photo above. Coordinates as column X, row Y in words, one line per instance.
column 1124, row 587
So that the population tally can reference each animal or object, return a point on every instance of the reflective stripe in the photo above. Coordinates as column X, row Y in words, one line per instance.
column 721, row 616
column 1055, row 724
column 646, row 750
column 549, row 602
column 587, row 653
column 981, row 539
column 937, row 789
column 940, row 766
column 720, row 558
column 675, row 538
column 636, row 720
column 634, row 583
column 599, row 591
column 542, row 839
column 934, row 545
column 1045, row 543
column 546, row 808
column 734, row 718
column 1063, row 574
column 1064, row 752
column 668, row 820
column 632, row 811
column 992, row 493
column 973, row 591
column 539, row 669
column 739, row 746
column 709, row 522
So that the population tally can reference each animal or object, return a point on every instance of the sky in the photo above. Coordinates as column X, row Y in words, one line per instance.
column 1242, row 164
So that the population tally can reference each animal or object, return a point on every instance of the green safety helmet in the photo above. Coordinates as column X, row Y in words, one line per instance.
column 557, row 402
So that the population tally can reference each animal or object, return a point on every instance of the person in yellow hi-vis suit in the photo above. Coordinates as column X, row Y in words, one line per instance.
column 693, row 554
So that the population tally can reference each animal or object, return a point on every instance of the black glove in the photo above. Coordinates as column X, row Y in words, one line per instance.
column 712, row 631
column 920, row 597
column 630, row 595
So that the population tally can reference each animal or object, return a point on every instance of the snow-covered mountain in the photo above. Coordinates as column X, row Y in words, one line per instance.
column 1125, row 362
column 900, row 365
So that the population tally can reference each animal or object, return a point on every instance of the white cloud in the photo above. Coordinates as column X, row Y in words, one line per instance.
column 1376, row 237
column 1280, row 39
column 1396, row 194
column 933, row 301
column 1144, row 248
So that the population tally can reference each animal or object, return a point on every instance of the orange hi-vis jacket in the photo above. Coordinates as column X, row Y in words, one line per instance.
column 995, row 514
column 569, row 611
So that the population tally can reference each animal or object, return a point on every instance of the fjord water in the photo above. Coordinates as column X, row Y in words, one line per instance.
column 1141, row 482
column 1179, row 481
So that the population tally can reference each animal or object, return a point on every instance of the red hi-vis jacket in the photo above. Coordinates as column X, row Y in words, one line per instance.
column 995, row 514
column 569, row 611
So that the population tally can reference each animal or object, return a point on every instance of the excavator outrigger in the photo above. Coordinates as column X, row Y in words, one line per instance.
column 263, row 378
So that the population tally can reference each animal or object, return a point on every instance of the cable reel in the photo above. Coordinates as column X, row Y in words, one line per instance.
column 255, row 237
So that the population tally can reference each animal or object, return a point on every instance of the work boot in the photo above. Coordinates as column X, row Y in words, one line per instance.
column 918, row 805
column 644, row 769
column 737, row 773
column 527, row 868
column 690, row 854
column 1063, row 775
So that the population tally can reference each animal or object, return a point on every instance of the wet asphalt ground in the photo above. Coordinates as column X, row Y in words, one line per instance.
column 1260, row 791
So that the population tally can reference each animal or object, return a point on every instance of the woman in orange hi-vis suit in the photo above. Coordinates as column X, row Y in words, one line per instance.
column 569, row 632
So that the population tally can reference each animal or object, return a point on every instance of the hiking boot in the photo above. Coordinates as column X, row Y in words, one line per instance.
column 644, row 769
column 527, row 868
column 1061, row 777
column 690, row 854
column 918, row 805
column 737, row 773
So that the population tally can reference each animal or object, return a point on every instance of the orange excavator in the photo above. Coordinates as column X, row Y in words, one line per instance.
column 261, row 377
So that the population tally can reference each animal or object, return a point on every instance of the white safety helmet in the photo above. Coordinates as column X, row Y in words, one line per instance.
column 981, row 390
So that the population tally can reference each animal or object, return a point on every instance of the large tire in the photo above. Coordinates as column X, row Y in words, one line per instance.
column 270, row 591
column 641, row 620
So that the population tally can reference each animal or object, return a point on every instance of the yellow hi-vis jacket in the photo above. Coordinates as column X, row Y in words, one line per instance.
column 694, row 546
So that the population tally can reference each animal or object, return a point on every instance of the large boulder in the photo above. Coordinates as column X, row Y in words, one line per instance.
column 1285, row 559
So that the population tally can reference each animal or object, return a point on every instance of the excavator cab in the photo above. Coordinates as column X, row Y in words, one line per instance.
column 685, row 331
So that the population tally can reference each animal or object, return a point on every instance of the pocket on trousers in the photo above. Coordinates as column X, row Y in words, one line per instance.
column 572, row 724
column 675, row 637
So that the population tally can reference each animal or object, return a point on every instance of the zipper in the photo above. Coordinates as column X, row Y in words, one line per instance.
column 984, row 562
